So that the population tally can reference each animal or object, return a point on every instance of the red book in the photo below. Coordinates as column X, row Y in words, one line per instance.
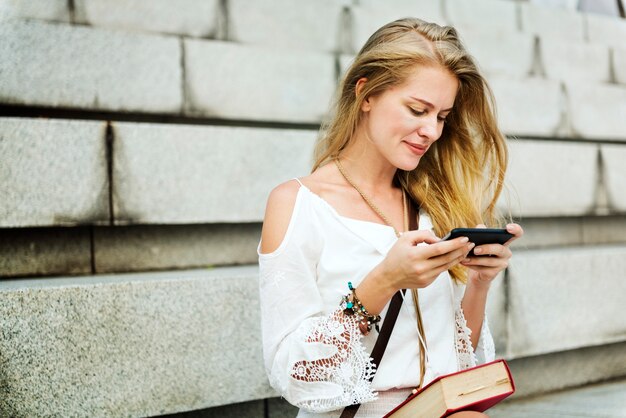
column 475, row 389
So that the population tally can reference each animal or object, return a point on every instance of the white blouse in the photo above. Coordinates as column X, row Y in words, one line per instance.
column 315, row 356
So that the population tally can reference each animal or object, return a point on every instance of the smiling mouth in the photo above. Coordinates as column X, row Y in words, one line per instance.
column 417, row 149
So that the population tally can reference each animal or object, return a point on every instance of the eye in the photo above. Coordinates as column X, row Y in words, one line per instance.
column 417, row 112
column 442, row 119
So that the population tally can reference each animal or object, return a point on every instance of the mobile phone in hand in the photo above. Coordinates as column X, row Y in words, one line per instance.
column 480, row 236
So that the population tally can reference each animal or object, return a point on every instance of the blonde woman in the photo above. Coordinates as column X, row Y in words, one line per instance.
column 413, row 127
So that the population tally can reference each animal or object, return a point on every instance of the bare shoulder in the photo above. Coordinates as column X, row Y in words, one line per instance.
column 278, row 211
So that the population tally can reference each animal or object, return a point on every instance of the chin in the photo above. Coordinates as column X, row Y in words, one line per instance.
column 408, row 165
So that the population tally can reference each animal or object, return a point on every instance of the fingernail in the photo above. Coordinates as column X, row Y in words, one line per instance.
column 478, row 251
column 471, row 245
column 464, row 239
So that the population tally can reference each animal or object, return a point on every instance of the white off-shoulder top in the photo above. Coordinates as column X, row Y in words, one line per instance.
column 314, row 355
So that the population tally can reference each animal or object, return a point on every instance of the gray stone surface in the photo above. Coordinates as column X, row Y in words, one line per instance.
column 575, row 62
column 184, row 17
column 130, row 345
column 309, row 26
column 550, row 232
column 540, row 180
column 251, row 409
column 53, row 172
column 53, row 10
column 280, row 408
column 614, row 157
column 490, row 15
column 159, row 247
column 567, row 231
column 488, row 51
column 552, row 22
column 562, row 299
column 44, row 251
column 529, row 106
column 600, row 400
column 370, row 15
column 619, row 64
column 604, row 229
column 597, row 110
column 80, row 67
column 541, row 374
column 606, row 30
column 206, row 174
column 257, row 83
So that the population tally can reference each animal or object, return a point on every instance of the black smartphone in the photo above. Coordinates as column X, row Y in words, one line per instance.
column 480, row 236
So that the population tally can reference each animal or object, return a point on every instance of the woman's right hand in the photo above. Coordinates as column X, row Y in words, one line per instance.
column 409, row 265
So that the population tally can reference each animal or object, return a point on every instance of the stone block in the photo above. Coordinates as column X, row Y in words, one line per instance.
column 370, row 15
column 552, row 22
column 536, row 375
column 562, row 299
column 488, row 15
column 53, row 10
column 487, row 49
column 53, row 172
column 161, row 247
column 234, row 81
column 596, row 111
column 606, row 30
column 531, row 106
column 251, row 409
column 570, row 61
column 604, row 229
column 44, row 251
column 550, row 178
column 613, row 157
column 185, row 17
column 55, row 65
column 206, row 174
column 619, row 65
column 280, row 408
column 314, row 26
column 550, row 232
column 131, row 345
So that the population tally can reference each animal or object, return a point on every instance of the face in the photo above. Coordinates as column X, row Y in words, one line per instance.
column 405, row 120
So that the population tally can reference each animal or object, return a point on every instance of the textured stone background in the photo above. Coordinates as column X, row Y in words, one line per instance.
column 139, row 140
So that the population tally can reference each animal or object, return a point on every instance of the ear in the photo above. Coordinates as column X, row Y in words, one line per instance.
column 360, row 84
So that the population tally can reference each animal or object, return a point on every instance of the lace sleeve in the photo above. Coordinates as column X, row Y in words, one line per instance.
column 313, row 353
column 466, row 355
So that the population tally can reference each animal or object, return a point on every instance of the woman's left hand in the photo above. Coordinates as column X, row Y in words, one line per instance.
column 491, row 259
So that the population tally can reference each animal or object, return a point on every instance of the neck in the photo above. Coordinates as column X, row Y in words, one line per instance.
column 369, row 169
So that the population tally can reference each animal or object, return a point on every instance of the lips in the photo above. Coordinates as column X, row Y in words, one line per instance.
column 416, row 149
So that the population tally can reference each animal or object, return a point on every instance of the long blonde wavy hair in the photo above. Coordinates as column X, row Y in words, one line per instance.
column 459, row 179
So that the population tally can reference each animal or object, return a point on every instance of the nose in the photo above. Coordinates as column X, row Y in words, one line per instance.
column 429, row 128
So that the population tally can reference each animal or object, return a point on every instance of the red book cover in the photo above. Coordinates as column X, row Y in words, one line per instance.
column 480, row 406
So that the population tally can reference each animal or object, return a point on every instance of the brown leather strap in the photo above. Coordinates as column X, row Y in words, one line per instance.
column 390, row 319
column 381, row 344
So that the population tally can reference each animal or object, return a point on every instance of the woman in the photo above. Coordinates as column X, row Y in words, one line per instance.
column 413, row 126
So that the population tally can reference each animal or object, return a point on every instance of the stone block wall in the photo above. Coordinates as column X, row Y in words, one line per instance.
column 139, row 141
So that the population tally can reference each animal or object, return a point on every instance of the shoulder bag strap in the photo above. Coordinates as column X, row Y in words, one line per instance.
column 390, row 320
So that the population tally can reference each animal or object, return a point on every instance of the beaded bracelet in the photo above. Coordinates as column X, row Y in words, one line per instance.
column 352, row 306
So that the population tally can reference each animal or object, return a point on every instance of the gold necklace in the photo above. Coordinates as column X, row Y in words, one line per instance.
column 418, row 312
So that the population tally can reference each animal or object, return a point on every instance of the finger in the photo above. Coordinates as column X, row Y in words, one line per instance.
column 419, row 236
column 481, row 226
column 497, row 250
column 486, row 262
column 443, row 248
column 452, row 256
column 516, row 230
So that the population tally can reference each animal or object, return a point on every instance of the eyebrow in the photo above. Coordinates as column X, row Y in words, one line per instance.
column 428, row 103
